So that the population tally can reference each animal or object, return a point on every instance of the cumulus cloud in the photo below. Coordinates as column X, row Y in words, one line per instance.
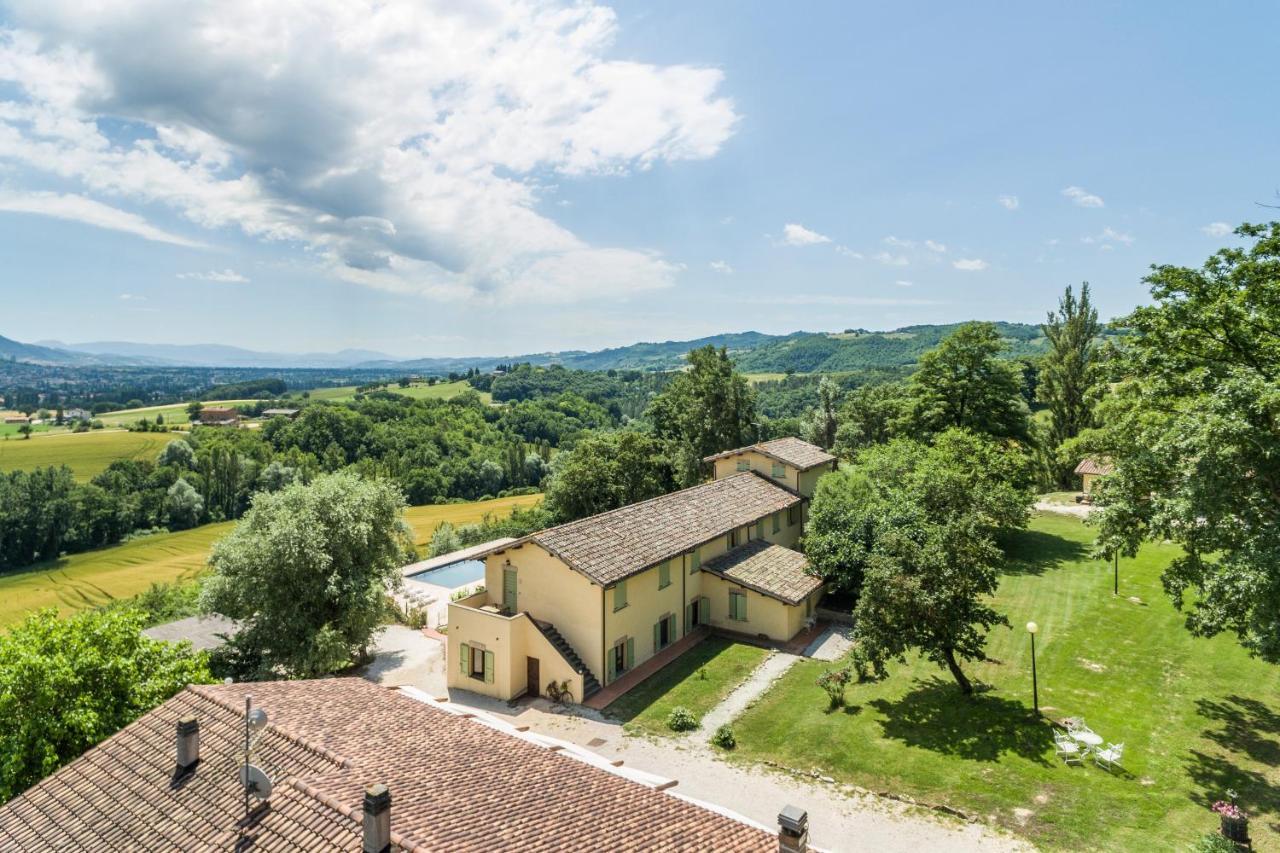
column 970, row 264
column 1108, row 239
column 899, row 242
column 848, row 253
column 934, row 246
column 1217, row 229
column 1008, row 202
column 721, row 267
column 1082, row 197
column 406, row 144
column 891, row 260
column 77, row 208
column 227, row 276
column 794, row 234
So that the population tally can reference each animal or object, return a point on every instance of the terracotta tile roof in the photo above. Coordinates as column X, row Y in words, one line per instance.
column 1089, row 465
column 614, row 545
column 792, row 451
column 769, row 569
column 455, row 784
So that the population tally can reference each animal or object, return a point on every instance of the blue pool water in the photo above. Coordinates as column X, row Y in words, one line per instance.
column 457, row 574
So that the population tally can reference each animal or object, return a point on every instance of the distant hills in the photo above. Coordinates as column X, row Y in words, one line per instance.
column 756, row 352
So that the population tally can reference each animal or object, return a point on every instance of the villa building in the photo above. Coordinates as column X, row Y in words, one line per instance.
column 586, row 602
column 1090, row 470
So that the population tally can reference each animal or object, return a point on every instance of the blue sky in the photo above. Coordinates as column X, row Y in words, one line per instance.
column 526, row 177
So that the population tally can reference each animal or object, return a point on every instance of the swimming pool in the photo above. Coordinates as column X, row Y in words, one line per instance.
column 457, row 574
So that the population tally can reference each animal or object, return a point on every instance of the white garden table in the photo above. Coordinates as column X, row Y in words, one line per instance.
column 1089, row 739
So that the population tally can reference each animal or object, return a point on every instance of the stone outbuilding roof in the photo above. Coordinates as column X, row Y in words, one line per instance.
column 1089, row 465
column 791, row 451
column 614, row 545
column 455, row 784
column 768, row 569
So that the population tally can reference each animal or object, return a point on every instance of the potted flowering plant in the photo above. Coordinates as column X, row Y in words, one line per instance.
column 1235, row 822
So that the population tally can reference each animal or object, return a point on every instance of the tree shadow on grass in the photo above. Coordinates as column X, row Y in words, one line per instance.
column 1248, row 728
column 936, row 716
column 1034, row 552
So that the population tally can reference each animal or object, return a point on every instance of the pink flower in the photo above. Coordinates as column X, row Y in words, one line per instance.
column 1230, row 810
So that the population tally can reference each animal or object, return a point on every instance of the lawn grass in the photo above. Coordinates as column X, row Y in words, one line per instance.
column 121, row 571
column 644, row 709
column 1197, row 716
column 86, row 453
column 1061, row 498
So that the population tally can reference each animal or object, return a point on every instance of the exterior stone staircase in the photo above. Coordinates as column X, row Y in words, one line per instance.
column 590, row 686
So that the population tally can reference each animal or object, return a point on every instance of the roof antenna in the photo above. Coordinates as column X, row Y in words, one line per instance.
column 253, row 778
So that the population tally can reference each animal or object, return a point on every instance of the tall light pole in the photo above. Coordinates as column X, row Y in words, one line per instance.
column 1115, row 588
column 1032, row 628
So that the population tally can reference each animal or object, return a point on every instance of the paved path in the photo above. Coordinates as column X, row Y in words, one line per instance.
column 1078, row 510
column 404, row 656
column 769, row 671
column 840, row 819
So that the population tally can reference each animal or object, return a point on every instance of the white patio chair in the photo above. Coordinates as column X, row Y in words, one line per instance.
column 1073, row 723
column 1067, row 749
column 1109, row 759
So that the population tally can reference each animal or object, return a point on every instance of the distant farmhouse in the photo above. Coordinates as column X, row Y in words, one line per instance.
column 1090, row 470
column 587, row 602
column 76, row 414
column 219, row 416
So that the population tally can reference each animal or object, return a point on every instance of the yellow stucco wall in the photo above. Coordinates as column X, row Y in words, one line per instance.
column 728, row 466
column 552, row 592
column 1090, row 480
column 512, row 640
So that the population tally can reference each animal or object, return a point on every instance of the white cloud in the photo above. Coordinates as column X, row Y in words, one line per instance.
column 970, row 264
column 794, row 234
column 77, row 208
column 227, row 276
column 891, row 260
column 1217, row 229
column 848, row 253
column 903, row 283
column 933, row 246
column 406, row 144
column 826, row 299
column 1108, row 239
column 721, row 267
column 1083, row 197
column 899, row 242
column 1008, row 202
column 131, row 297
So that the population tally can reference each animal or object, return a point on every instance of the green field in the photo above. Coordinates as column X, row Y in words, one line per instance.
column 87, row 453
column 416, row 391
column 1197, row 716
column 757, row 378
column 724, row 663
column 120, row 571
column 174, row 413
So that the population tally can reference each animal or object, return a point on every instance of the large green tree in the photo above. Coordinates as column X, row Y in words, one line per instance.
column 306, row 573
column 708, row 408
column 605, row 471
column 911, row 531
column 963, row 382
column 869, row 415
column 1192, row 424
column 1068, row 374
column 823, row 422
column 66, row 684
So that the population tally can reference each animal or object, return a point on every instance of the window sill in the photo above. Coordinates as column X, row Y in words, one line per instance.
column 475, row 677
column 664, row 585
column 623, row 607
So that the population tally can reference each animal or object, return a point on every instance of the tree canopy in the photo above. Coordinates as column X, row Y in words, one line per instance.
column 1068, row 374
column 708, row 408
column 306, row 573
column 605, row 471
column 1192, row 425
column 66, row 684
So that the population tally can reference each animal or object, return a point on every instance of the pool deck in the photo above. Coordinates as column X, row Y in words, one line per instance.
column 454, row 557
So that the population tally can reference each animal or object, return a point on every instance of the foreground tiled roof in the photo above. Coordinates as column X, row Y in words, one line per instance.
column 769, row 569
column 1089, row 465
column 455, row 784
column 614, row 545
column 792, row 451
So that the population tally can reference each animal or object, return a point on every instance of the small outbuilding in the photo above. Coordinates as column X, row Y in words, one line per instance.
column 1090, row 470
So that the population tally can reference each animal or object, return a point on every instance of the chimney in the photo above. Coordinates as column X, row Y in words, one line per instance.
column 377, row 819
column 188, row 744
column 793, row 830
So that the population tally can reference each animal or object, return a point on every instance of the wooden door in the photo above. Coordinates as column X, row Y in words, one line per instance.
column 535, row 677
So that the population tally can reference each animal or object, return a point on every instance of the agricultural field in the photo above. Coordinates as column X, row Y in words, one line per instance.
column 417, row 391
column 174, row 413
column 86, row 453
column 757, row 378
column 1197, row 716
column 121, row 571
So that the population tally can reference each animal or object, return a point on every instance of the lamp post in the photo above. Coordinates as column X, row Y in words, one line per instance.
column 1115, row 588
column 1032, row 628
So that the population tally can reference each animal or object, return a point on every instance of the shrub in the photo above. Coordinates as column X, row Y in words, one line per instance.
column 1213, row 843
column 681, row 719
column 724, row 738
column 834, row 681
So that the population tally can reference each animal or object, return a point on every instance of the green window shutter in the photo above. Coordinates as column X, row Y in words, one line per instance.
column 610, row 671
column 464, row 660
column 664, row 575
column 488, row 667
column 631, row 652
column 760, row 529
column 777, row 521
column 695, row 562
column 620, row 595
column 742, row 606
column 688, row 618
column 743, row 465
column 778, row 471
column 656, row 637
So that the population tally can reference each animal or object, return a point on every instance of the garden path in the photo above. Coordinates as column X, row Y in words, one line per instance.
column 769, row 671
